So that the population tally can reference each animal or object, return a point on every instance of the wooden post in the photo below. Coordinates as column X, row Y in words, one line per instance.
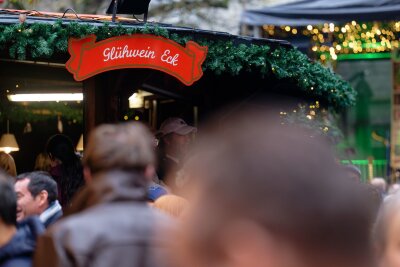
column 89, row 106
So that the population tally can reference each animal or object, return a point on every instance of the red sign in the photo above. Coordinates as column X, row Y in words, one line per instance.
column 89, row 58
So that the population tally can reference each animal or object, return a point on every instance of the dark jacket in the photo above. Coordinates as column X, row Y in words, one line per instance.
column 53, row 219
column 110, row 225
column 19, row 251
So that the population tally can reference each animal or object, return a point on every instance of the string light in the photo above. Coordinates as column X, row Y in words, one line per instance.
column 330, row 40
column 310, row 115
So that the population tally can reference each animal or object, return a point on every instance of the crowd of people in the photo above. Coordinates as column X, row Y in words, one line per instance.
column 244, row 192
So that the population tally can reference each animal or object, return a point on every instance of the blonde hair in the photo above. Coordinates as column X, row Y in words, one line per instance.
column 42, row 162
column 7, row 163
column 172, row 205
column 127, row 146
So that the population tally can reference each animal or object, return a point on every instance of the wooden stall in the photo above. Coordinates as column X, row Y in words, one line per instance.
column 131, row 70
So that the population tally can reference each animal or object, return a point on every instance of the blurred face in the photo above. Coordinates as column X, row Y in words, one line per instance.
column 239, row 244
column 391, row 255
column 178, row 144
column 27, row 205
column 209, row 238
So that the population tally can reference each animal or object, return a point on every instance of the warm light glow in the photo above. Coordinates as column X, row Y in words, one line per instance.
column 137, row 99
column 79, row 146
column 8, row 143
column 332, row 27
column 45, row 97
column 346, row 38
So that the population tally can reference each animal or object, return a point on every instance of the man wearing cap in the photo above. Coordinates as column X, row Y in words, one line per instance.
column 175, row 136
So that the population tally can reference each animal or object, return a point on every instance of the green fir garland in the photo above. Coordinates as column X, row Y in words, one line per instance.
column 45, row 40
column 35, row 112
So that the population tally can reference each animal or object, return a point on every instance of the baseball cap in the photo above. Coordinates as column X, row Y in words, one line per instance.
column 175, row 125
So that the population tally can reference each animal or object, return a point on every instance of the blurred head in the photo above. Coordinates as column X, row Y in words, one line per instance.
column 176, row 135
column 272, row 195
column 173, row 205
column 61, row 150
column 380, row 185
column 125, row 147
column 8, row 201
column 176, row 145
column 387, row 233
column 35, row 192
column 7, row 164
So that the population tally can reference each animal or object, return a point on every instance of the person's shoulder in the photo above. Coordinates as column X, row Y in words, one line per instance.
column 74, row 221
column 92, row 220
column 17, row 262
column 77, row 232
column 162, row 222
column 53, row 219
column 31, row 226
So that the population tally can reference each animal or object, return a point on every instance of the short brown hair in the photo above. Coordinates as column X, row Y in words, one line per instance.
column 127, row 146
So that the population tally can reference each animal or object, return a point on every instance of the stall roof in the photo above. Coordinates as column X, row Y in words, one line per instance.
column 12, row 16
column 315, row 12
column 43, row 37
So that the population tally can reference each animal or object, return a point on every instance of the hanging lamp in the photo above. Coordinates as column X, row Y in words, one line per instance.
column 8, row 143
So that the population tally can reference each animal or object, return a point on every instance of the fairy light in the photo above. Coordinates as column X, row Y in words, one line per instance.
column 330, row 40
column 332, row 27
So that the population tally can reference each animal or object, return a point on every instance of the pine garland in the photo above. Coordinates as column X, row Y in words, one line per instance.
column 45, row 40
column 35, row 112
